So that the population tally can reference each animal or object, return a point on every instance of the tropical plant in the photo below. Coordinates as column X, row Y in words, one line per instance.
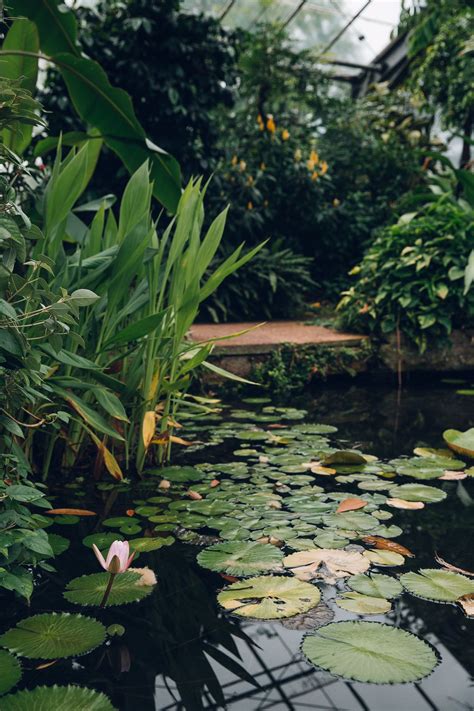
column 178, row 69
column 104, row 110
column 32, row 315
column 412, row 277
column 125, row 378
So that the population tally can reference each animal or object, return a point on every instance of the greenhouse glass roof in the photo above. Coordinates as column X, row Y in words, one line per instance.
column 341, row 30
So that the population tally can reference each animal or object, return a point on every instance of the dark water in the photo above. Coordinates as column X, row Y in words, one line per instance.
column 179, row 650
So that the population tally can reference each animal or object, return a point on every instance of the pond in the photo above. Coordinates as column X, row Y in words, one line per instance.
column 269, row 498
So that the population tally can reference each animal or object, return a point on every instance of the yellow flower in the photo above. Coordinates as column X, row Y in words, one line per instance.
column 310, row 164
column 250, row 205
column 250, row 180
column 242, row 166
column 285, row 134
column 263, row 166
column 314, row 156
column 261, row 125
column 324, row 167
column 234, row 160
column 336, row 202
column 298, row 155
column 265, row 203
column 271, row 125
column 314, row 176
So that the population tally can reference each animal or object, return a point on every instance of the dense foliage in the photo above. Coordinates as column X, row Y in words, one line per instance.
column 412, row 276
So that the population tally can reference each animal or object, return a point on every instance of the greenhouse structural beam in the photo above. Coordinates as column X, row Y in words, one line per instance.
column 344, row 29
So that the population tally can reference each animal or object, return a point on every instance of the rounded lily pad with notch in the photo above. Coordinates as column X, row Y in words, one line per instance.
column 241, row 558
column 101, row 540
column 146, row 545
column 370, row 652
column 269, row 597
column 418, row 492
column 352, row 520
column 89, row 590
column 344, row 456
column 460, row 442
column 384, row 558
column 178, row 475
column 438, row 585
column 363, row 604
column 375, row 585
column 59, row 698
column 10, row 671
column 116, row 521
column 54, row 635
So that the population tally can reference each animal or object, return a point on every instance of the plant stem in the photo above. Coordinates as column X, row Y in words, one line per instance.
column 108, row 589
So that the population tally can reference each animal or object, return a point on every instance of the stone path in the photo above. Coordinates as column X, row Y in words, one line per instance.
column 266, row 337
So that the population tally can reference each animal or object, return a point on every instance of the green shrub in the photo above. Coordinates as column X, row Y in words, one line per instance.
column 412, row 276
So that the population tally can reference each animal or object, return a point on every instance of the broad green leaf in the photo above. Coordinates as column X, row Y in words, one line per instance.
column 375, row 585
column 370, row 652
column 418, row 492
column 136, row 330
column 110, row 111
column 111, row 404
column 241, row 558
column 102, row 540
column 460, row 442
column 59, row 698
column 89, row 590
column 269, row 597
column 363, row 604
column 10, row 672
column 53, row 636
column 59, row 544
column 88, row 414
column 436, row 584
column 56, row 25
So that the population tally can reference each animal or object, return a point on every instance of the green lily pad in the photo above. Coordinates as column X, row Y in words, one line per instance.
column 116, row 521
column 436, row 584
column 370, row 652
column 66, row 520
column 59, row 698
column 269, row 597
column 58, row 543
column 178, row 474
column 54, row 635
column 101, row 540
column 10, row 671
column 418, row 492
column 363, row 604
column 460, row 442
column 146, row 545
column 352, row 520
column 344, row 456
column 130, row 529
column 241, row 559
column 88, row 590
column 375, row 585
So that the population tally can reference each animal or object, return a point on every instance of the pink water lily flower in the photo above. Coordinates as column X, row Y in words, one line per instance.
column 118, row 558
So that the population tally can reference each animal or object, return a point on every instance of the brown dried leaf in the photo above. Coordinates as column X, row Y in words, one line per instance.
column 324, row 471
column 402, row 504
column 351, row 505
column 194, row 495
column 326, row 563
column 148, row 427
column 453, row 568
column 71, row 512
column 387, row 545
column 467, row 604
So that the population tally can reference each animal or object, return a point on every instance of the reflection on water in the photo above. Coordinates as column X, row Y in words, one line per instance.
column 179, row 650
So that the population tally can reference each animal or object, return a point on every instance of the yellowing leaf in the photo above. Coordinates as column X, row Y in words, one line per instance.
column 402, row 504
column 467, row 604
column 387, row 545
column 452, row 475
column 148, row 427
column 326, row 563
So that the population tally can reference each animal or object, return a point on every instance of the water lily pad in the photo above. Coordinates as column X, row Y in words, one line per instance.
column 418, row 492
column 330, row 539
column 363, row 604
column 269, row 597
column 311, row 620
column 10, row 671
column 146, row 545
column 241, row 559
column 375, row 585
column 177, row 474
column 54, row 635
column 88, row 590
column 130, row 528
column 327, row 564
column 384, row 558
column 370, row 652
column 460, row 442
column 352, row 520
column 116, row 521
column 101, row 540
column 59, row 698
column 439, row 585
column 344, row 456
column 58, row 543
